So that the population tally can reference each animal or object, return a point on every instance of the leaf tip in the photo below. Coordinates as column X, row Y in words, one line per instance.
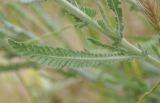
column 12, row 43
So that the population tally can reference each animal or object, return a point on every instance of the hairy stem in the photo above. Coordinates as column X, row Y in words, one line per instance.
column 78, row 13
column 136, row 50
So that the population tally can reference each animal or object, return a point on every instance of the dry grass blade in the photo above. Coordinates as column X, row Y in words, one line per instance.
column 151, row 9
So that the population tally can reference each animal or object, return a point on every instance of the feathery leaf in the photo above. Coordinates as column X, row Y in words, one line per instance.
column 59, row 58
column 85, row 9
column 150, row 43
column 111, row 47
column 115, row 6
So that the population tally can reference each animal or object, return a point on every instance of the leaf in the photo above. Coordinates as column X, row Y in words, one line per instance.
column 156, row 51
column 89, row 11
column 17, row 66
column 98, row 43
column 85, row 9
column 147, row 46
column 111, row 47
column 115, row 6
column 59, row 58
column 74, row 2
column 102, row 23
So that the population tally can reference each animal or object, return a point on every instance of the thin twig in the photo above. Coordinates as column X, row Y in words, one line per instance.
column 49, row 34
column 146, row 94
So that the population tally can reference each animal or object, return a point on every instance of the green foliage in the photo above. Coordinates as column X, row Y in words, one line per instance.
column 110, row 47
column 85, row 9
column 97, row 62
column 59, row 58
column 18, row 66
column 115, row 5
column 150, row 45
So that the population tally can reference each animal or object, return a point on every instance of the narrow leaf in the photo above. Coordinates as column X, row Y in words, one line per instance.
column 115, row 6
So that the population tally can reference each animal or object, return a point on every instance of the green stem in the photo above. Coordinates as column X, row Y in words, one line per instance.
column 45, row 36
column 136, row 50
column 105, row 17
column 84, row 17
column 146, row 94
column 78, row 13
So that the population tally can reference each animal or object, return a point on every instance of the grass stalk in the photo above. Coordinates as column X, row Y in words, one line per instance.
column 146, row 94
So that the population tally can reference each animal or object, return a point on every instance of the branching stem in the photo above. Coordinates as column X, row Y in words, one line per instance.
column 136, row 50
column 78, row 13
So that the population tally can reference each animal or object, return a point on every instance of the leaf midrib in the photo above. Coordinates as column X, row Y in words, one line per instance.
column 85, row 58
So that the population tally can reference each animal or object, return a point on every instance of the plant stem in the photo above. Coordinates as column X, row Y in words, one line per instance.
column 45, row 36
column 78, row 13
column 84, row 17
column 136, row 50
column 105, row 17
column 146, row 94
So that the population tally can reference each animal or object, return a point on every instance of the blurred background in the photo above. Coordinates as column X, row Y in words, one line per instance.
column 23, row 81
